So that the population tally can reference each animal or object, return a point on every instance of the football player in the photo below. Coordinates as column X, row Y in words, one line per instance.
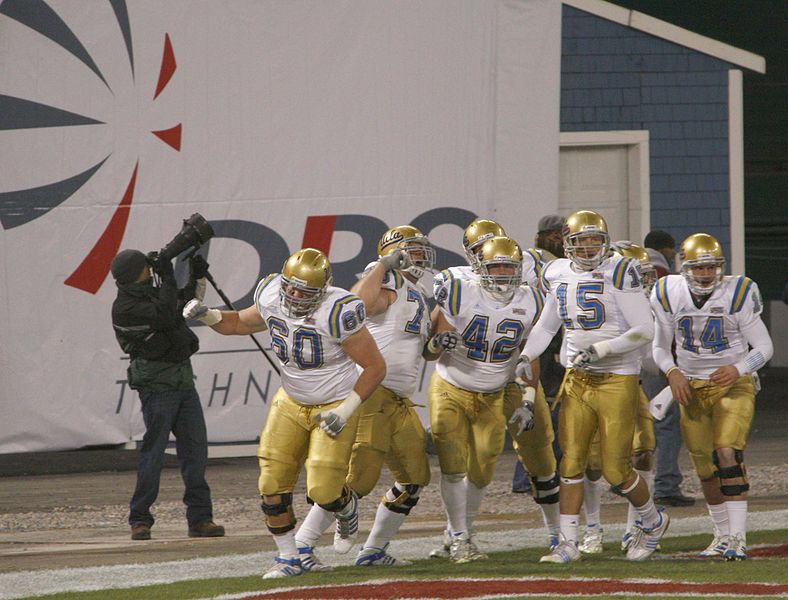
column 643, row 443
column 714, row 321
column 598, row 298
column 319, row 335
column 533, row 446
column 389, row 429
column 491, row 317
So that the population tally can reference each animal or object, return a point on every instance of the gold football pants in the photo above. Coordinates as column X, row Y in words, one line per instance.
column 602, row 402
column 468, row 429
column 390, row 431
column 534, row 448
column 716, row 417
column 643, row 441
column 290, row 437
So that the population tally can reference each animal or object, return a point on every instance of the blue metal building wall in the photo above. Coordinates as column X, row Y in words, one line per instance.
column 617, row 78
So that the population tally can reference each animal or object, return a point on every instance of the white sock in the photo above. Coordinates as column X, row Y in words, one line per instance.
column 719, row 516
column 632, row 513
column 551, row 516
column 387, row 523
column 648, row 514
column 737, row 517
column 316, row 522
column 569, row 524
column 592, row 501
column 454, row 503
column 473, row 499
column 286, row 544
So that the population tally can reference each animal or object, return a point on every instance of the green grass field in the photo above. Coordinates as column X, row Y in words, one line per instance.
column 668, row 564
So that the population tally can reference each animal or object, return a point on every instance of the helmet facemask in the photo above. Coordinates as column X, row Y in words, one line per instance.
column 299, row 299
column 586, row 253
column 500, row 282
column 420, row 253
column 649, row 277
column 703, row 285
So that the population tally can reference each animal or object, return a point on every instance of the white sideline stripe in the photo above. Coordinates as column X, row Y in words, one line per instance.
column 40, row 582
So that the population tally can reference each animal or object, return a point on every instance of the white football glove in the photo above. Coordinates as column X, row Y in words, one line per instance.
column 333, row 421
column 590, row 355
column 195, row 309
column 445, row 341
column 523, row 416
column 398, row 259
column 523, row 369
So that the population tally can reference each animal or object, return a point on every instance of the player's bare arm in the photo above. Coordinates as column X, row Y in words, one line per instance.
column 363, row 350
column 376, row 299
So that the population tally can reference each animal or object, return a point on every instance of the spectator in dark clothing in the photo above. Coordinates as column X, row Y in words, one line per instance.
column 662, row 242
column 150, row 328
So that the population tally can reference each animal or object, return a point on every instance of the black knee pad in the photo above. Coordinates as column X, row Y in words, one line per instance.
column 285, row 502
column 339, row 503
column 404, row 500
column 733, row 472
column 272, row 510
column 546, row 492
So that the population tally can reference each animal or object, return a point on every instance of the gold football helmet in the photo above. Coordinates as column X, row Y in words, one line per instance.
column 414, row 242
column 702, row 263
column 647, row 271
column 306, row 276
column 500, row 267
column 475, row 235
column 586, row 240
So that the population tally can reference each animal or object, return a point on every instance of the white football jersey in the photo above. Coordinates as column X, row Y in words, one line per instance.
column 708, row 337
column 401, row 332
column 315, row 368
column 586, row 304
column 491, row 332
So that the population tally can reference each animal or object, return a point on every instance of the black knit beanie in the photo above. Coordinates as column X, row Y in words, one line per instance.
column 128, row 265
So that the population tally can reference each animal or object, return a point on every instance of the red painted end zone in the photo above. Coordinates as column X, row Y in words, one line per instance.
column 463, row 588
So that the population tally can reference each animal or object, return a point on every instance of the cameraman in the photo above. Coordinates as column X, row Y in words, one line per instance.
column 150, row 328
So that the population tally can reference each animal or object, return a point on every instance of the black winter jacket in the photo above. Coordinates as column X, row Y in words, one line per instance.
column 149, row 325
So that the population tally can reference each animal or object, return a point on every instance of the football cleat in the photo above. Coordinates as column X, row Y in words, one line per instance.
column 737, row 548
column 461, row 550
column 717, row 547
column 476, row 554
column 347, row 526
column 309, row 560
column 552, row 542
column 626, row 541
column 378, row 557
column 284, row 567
column 442, row 551
column 592, row 541
column 645, row 541
column 564, row 552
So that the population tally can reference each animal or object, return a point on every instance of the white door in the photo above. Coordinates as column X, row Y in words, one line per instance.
column 609, row 177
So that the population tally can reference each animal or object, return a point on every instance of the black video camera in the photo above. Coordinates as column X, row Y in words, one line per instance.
column 195, row 232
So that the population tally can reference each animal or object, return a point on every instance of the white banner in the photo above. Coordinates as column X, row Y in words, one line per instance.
column 285, row 124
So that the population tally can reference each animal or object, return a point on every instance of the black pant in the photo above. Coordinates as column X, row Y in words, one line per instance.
column 179, row 412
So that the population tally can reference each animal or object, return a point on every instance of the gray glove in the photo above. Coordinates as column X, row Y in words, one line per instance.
column 523, row 417
column 398, row 259
column 523, row 369
column 195, row 309
column 331, row 422
column 585, row 357
column 445, row 341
